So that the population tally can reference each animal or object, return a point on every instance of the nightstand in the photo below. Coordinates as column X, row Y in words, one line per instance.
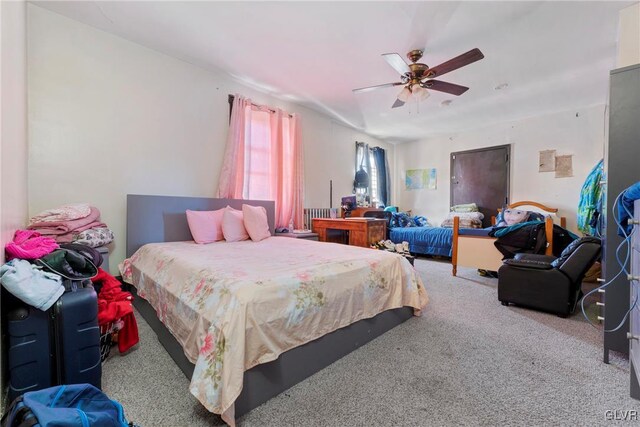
column 306, row 236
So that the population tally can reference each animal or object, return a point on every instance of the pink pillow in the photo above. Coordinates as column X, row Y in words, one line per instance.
column 233, row 225
column 256, row 223
column 205, row 226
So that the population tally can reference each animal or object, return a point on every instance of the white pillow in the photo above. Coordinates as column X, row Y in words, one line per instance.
column 256, row 223
column 233, row 225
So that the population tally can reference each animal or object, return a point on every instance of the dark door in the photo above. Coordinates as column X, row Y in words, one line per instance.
column 481, row 177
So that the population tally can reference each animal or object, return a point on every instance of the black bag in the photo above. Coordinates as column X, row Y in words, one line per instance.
column 561, row 239
column 530, row 239
column 75, row 268
column 87, row 251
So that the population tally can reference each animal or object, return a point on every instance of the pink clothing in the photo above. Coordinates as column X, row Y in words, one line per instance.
column 65, row 226
column 56, row 232
column 29, row 244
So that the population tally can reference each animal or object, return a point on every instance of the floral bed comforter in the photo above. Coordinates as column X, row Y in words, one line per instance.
column 235, row 305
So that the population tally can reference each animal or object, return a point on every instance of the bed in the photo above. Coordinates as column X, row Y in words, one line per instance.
column 424, row 240
column 468, row 247
column 474, row 248
column 247, row 320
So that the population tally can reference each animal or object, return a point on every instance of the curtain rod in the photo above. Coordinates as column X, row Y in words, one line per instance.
column 271, row 110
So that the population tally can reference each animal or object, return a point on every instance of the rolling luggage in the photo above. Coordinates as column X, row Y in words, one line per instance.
column 53, row 347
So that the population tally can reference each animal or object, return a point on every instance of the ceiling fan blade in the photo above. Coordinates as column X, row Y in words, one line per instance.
column 368, row 88
column 458, row 62
column 397, row 104
column 397, row 63
column 441, row 86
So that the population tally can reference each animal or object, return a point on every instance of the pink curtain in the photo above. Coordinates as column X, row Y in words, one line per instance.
column 230, row 184
column 264, row 152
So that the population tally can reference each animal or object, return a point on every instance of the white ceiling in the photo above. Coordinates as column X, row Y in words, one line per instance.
column 553, row 55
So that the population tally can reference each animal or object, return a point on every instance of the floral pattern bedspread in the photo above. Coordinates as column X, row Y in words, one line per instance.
column 235, row 305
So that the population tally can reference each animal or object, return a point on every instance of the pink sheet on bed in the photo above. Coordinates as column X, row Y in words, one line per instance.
column 236, row 305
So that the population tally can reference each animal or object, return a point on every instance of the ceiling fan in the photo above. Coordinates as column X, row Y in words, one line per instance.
column 417, row 77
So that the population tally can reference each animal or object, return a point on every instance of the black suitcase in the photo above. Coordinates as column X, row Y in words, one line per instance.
column 59, row 346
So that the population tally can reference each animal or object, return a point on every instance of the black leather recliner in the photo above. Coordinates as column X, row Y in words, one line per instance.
column 545, row 282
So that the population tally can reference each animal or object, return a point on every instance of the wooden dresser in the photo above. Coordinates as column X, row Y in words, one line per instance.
column 356, row 232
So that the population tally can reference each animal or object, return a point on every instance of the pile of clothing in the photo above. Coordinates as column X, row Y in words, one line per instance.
column 469, row 216
column 115, row 312
column 404, row 219
column 79, row 223
column 40, row 270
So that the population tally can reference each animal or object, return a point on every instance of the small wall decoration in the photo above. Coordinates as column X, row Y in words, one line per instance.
column 564, row 166
column 547, row 161
column 418, row 179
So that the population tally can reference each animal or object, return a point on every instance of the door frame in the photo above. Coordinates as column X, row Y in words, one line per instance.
column 476, row 150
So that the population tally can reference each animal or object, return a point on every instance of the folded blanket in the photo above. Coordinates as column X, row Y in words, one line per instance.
column 94, row 237
column 468, row 207
column 28, row 244
column 73, row 236
column 63, row 213
column 66, row 226
column 30, row 284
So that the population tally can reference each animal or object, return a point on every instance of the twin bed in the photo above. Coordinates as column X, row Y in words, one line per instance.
column 247, row 320
column 435, row 241
column 468, row 247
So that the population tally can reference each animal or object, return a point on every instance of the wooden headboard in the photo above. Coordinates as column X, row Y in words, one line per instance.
column 154, row 219
column 563, row 220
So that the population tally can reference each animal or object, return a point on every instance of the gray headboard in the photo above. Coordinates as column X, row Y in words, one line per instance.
column 153, row 219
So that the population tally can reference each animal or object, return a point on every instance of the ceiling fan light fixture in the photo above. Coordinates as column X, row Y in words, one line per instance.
column 420, row 93
column 412, row 76
column 404, row 94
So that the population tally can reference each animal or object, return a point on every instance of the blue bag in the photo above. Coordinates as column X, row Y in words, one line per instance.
column 80, row 405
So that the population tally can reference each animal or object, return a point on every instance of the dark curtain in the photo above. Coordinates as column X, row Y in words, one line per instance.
column 380, row 158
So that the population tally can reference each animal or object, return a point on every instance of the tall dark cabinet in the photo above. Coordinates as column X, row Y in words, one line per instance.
column 622, row 170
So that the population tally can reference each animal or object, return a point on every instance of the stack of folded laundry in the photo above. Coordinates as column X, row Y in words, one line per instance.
column 79, row 223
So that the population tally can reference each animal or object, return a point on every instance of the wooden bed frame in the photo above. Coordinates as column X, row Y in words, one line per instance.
column 480, row 252
column 152, row 219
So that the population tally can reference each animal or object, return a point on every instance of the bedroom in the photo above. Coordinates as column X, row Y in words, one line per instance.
column 137, row 93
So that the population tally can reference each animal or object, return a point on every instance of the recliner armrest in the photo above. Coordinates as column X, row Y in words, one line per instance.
column 535, row 257
column 529, row 263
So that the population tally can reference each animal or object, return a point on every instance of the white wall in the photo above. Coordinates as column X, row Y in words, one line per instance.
column 629, row 36
column 13, row 131
column 108, row 117
column 581, row 135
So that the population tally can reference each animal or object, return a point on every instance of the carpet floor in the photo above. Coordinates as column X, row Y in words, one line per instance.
column 467, row 361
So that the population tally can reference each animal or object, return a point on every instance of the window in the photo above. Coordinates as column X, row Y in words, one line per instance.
column 373, row 180
column 373, row 161
column 263, row 159
column 261, row 164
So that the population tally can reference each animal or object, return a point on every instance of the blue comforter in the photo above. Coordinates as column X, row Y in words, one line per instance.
column 424, row 240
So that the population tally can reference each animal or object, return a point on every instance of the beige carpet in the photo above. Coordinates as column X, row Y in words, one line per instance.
column 467, row 361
